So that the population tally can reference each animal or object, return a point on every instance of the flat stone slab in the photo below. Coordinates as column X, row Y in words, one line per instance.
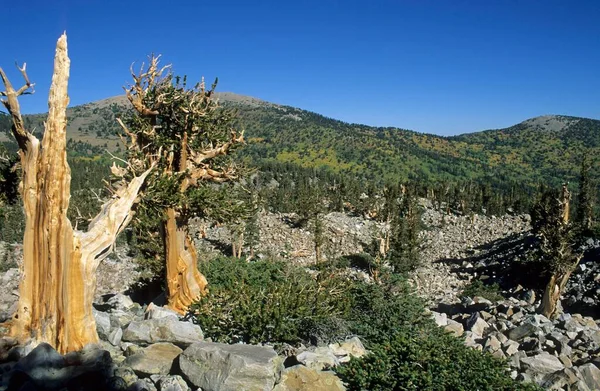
column 168, row 329
column 221, row 367
column 156, row 359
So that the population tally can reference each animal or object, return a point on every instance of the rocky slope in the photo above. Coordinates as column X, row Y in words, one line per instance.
column 151, row 348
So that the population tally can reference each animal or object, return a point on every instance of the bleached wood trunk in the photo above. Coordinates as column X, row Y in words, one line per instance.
column 59, row 264
column 185, row 284
column 552, row 293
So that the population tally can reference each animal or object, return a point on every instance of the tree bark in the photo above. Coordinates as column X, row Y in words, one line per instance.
column 554, row 289
column 185, row 284
column 59, row 264
column 560, row 276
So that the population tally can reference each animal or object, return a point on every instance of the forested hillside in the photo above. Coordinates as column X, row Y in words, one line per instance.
column 545, row 149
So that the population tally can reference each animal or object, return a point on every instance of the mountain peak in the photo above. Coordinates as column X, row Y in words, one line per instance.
column 551, row 123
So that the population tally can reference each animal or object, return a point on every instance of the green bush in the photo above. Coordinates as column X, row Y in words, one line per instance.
column 12, row 223
column 479, row 288
column 427, row 359
column 267, row 301
column 408, row 351
column 275, row 302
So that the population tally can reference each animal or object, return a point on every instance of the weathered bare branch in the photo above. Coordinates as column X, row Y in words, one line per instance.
column 28, row 85
column 12, row 105
column 200, row 157
column 133, row 136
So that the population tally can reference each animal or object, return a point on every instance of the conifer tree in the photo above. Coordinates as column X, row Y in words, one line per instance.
column 585, row 212
column 404, row 247
column 550, row 221
column 190, row 136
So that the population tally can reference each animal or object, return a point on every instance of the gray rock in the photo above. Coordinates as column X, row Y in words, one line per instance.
column 115, row 336
column 529, row 296
column 476, row 324
column 171, row 383
column 511, row 347
column 120, row 318
column 45, row 368
column 102, row 324
column 471, row 340
column 167, row 329
column 543, row 363
column 572, row 325
column 440, row 319
column 156, row 359
column 126, row 374
column 220, row 367
column 478, row 327
column 142, row 385
column 591, row 376
column 319, row 359
column 559, row 380
column 454, row 327
column 524, row 330
column 561, row 342
column 120, row 302
column 565, row 360
column 350, row 347
column 156, row 312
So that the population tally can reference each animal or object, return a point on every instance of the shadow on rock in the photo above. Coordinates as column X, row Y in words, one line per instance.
column 45, row 369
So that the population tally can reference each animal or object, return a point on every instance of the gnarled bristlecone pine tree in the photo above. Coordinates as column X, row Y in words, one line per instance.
column 551, row 223
column 192, row 135
column 59, row 263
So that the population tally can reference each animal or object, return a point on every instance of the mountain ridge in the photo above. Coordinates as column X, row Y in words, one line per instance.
column 546, row 148
column 232, row 97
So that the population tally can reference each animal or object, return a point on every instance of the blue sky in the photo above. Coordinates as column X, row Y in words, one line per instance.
column 443, row 67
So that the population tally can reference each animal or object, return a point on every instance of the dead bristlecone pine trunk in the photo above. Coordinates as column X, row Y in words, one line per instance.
column 59, row 263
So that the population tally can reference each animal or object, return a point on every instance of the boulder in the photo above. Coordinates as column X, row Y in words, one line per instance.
column 120, row 319
column 167, row 329
column 156, row 359
column 120, row 302
column 350, row 347
column 115, row 336
column 454, row 327
column 511, row 347
column 319, row 359
column 45, row 368
column 542, row 363
column 170, row 383
column 102, row 324
column 477, row 326
column 126, row 374
column 301, row 378
column 142, row 385
column 220, row 367
column 156, row 312
column 440, row 319
column 492, row 344
column 524, row 330
column 591, row 376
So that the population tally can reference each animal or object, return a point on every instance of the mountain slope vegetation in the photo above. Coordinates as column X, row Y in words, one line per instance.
column 545, row 149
